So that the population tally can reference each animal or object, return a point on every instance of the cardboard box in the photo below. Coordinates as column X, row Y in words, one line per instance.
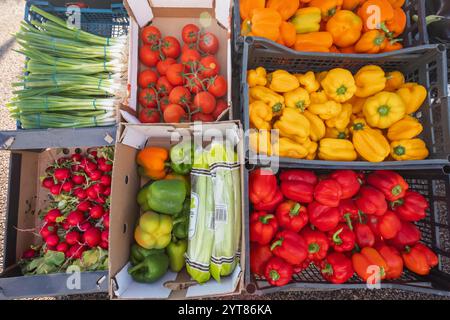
column 125, row 213
column 170, row 16
column 26, row 198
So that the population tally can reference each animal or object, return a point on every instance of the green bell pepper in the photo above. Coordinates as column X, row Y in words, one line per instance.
column 151, row 269
column 138, row 253
column 181, row 221
column 181, row 157
column 163, row 196
column 176, row 251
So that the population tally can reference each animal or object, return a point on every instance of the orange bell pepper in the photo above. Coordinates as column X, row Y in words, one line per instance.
column 262, row 23
column 395, row 80
column 369, row 16
column 350, row 49
column 365, row 259
column 372, row 41
column 314, row 41
column 345, row 28
column 285, row 8
column 392, row 45
column 335, row 49
column 351, row 4
column 246, row 7
column 288, row 34
column 397, row 25
column 327, row 7
column 152, row 160
column 393, row 260
column 397, row 3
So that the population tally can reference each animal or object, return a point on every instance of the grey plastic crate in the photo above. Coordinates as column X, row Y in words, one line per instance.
column 414, row 35
column 426, row 65
column 434, row 184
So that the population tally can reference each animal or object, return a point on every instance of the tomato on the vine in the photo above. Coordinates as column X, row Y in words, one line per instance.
column 163, row 86
column 205, row 102
column 208, row 43
column 189, row 34
column 149, row 116
column 217, row 86
column 202, row 117
column 188, row 46
column 175, row 74
column 174, row 113
column 150, row 35
column 170, row 47
column 147, row 78
column 209, row 67
column 149, row 55
column 163, row 103
column 190, row 57
column 180, row 95
column 163, row 65
column 194, row 84
column 221, row 106
column 148, row 98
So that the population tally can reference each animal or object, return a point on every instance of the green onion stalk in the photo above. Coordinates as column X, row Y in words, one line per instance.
column 61, row 120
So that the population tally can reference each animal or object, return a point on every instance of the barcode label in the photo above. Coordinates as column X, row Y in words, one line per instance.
column 221, row 213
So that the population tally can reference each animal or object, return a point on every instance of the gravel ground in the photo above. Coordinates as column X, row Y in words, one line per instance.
column 10, row 67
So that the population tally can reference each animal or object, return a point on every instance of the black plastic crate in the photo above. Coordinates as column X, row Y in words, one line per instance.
column 426, row 65
column 434, row 184
column 414, row 35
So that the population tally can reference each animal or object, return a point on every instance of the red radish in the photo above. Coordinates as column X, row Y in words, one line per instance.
column 62, row 247
column 66, row 226
column 95, row 175
column 78, row 179
column 101, row 199
column 48, row 229
column 62, row 174
column 106, row 220
column 107, row 192
column 105, row 235
column 67, row 186
column 75, row 218
column 73, row 237
column 52, row 240
column 84, row 206
column 96, row 212
column 76, row 157
column 105, row 180
column 56, row 189
column 48, row 183
column 80, row 193
column 103, row 165
column 99, row 188
column 76, row 251
column 88, row 165
column 93, row 153
column 29, row 254
column 52, row 215
column 92, row 237
column 104, row 245
column 91, row 193
column 85, row 226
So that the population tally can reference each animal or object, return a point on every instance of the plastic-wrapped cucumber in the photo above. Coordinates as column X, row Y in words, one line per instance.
column 201, row 232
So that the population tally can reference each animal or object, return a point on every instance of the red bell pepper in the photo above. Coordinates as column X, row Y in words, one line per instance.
column 259, row 256
column 317, row 244
column 348, row 212
column 364, row 260
column 292, row 215
column 408, row 235
column 432, row 258
column 322, row 217
column 364, row 234
column 278, row 272
column 342, row 238
column 299, row 175
column 390, row 183
column 336, row 268
column 393, row 260
column 412, row 207
column 328, row 192
column 262, row 187
column 289, row 246
column 272, row 204
column 389, row 225
column 263, row 227
column 298, row 191
column 373, row 222
column 349, row 182
column 416, row 261
column 371, row 201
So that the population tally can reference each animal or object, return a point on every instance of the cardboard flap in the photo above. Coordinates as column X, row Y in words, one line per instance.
column 223, row 14
column 140, row 11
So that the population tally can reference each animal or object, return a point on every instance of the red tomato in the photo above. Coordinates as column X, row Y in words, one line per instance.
column 187, row 46
column 174, row 113
column 163, row 65
column 218, row 86
column 147, row 78
column 147, row 98
column 163, row 103
column 170, row 47
column 163, row 86
column 190, row 57
column 149, row 116
column 150, row 35
column 209, row 67
column 202, row 117
column 179, row 95
column 221, row 106
column 205, row 102
column 189, row 34
column 149, row 56
column 175, row 74
column 194, row 84
column 209, row 43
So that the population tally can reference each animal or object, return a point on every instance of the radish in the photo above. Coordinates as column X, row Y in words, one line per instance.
column 107, row 192
column 91, row 193
column 75, row 251
column 73, row 237
column 75, row 218
column 84, row 206
column 106, row 220
column 48, row 183
column 55, row 189
column 80, row 193
column 85, row 226
column 100, row 200
column 76, row 157
column 67, row 186
column 48, row 229
column 105, row 235
column 62, row 247
column 62, row 174
column 103, row 165
column 95, row 175
column 52, row 240
column 104, row 245
column 52, row 215
column 92, row 237
column 29, row 254
column 93, row 153
column 105, row 180
column 96, row 212
column 66, row 226
column 99, row 188
column 78, row 179
column 88, row 165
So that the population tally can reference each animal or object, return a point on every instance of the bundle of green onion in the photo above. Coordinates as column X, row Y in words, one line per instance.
column 72, row 78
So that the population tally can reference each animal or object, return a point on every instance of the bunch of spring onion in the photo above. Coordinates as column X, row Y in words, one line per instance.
column 72, row 78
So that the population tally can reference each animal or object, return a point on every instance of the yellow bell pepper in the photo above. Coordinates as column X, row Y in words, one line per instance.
column 308, row 81
column 384, row 109
column 318, row 97
column 339, row 85
column 307, row 20
column 369, row 143
column 369, row 80
column 411, row 149
column 293, row 124
column 342, row 120
column 407, row 128
column 413, row 95
column 257, row 77
column 259, row 141
column 394, row 80
column 260, row 115
column 311, row 146
column 273, row 99
column 311, row 156
column 285, row 147
column 297, row 99
column 357, row 104
column 317, row 127
column 321, row 75
column 282, row 81
column 327, row 110
column 334, row 133
column 336, row 150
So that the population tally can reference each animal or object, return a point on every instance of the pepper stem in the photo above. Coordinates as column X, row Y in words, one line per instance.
column 341, row 90
column 136, row 267
column 396, row 190
column 313, row 248
column 295, row 209
column 383, row 110
column 336, row 239
column 277, row 107
column 265, row 219
column 277, row 243
column 399, row 150
column 274, row 275
column 348, row 220
column 328, row 269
